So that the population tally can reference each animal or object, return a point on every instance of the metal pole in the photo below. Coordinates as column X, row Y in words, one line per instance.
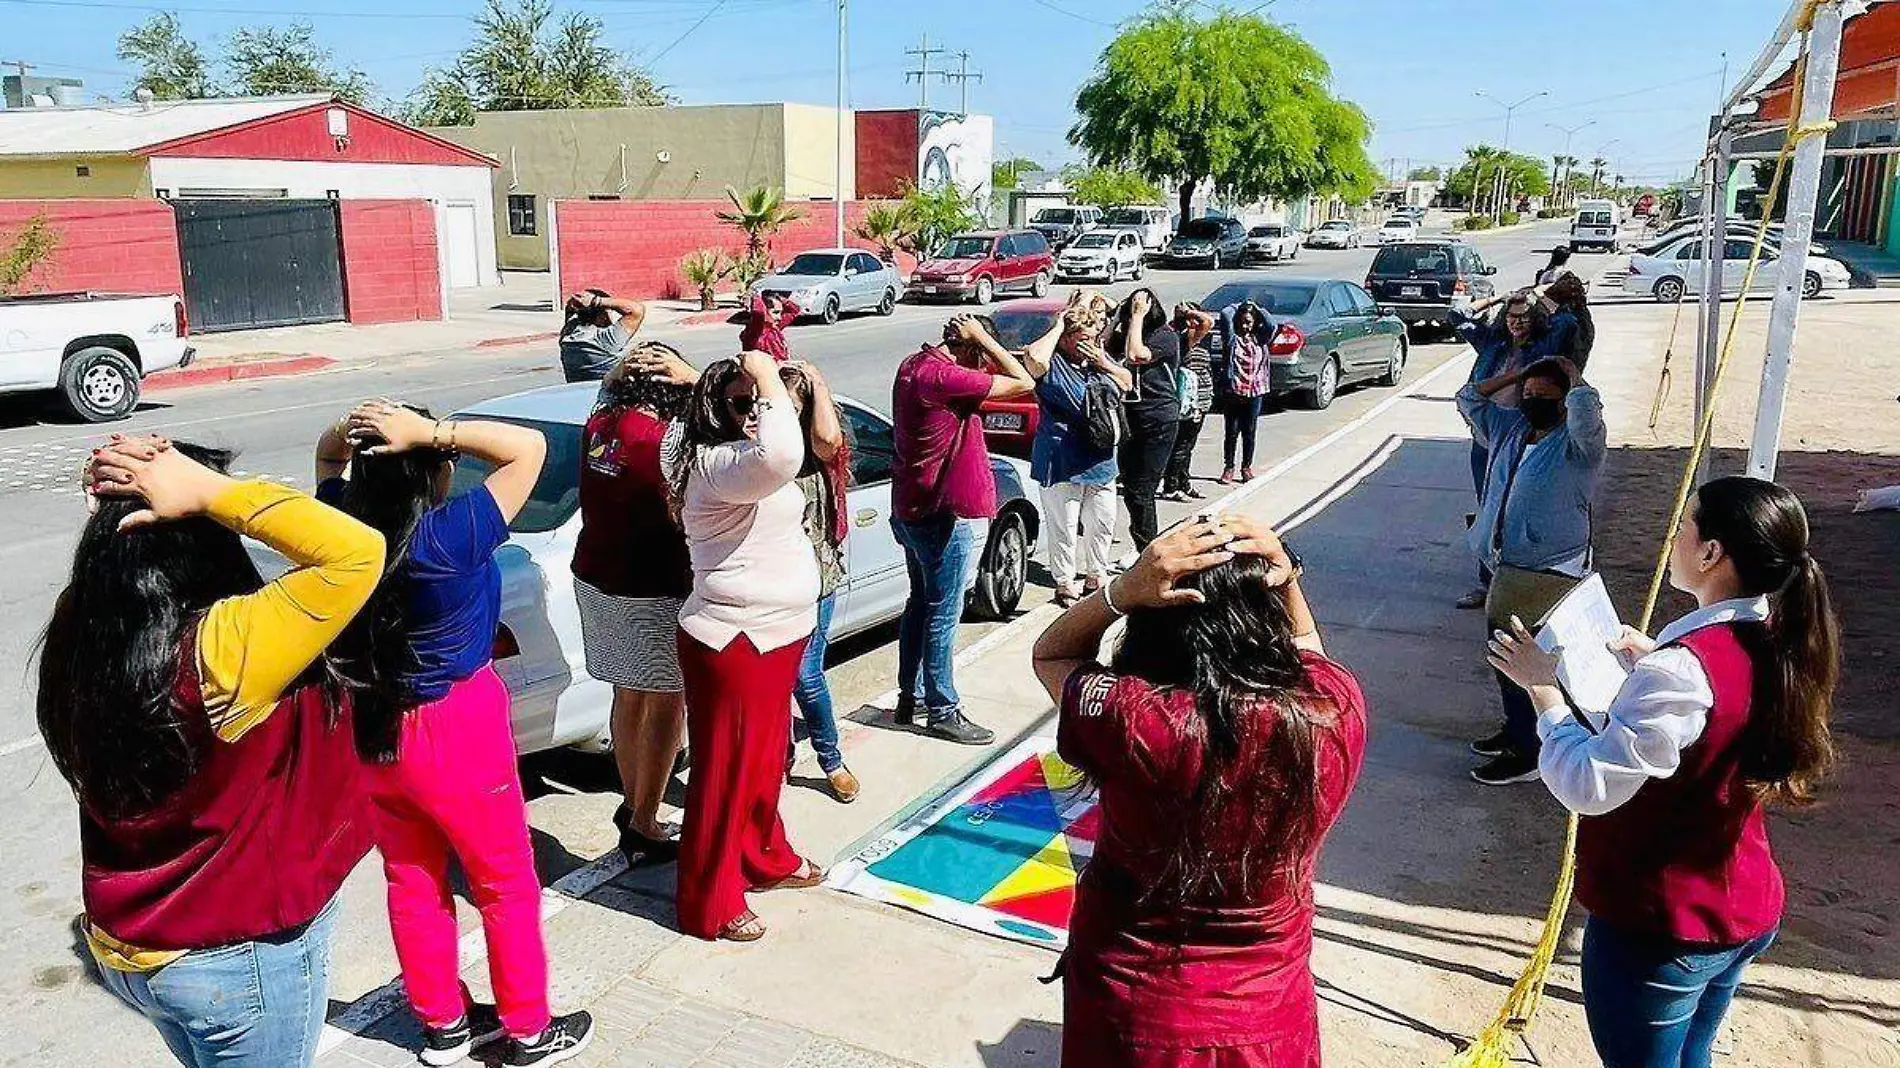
column 1709, row 331
column 837, row 188
column 1804, row 187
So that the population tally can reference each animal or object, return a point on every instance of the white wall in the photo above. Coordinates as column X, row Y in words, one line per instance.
column 438, row 183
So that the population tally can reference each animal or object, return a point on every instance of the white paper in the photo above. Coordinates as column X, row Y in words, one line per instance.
column 1579, row 631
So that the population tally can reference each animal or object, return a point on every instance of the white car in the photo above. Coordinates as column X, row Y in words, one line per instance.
column 1272, row 242
column 538, row 648
column 1396, row 229
column 92, row 349
column 1334, row 233
column 1675, row 271
column 1101, row 255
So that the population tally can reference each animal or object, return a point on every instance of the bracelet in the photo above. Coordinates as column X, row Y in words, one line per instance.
column 435, row 435
column 1108, row 601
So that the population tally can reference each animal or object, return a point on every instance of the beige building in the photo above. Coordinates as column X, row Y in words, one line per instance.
column 648, row 153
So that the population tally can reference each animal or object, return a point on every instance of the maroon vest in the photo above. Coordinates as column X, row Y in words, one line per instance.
column 257, row 842
column 1687, row 858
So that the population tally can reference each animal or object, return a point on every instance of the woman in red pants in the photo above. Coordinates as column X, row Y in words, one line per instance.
column 743, row 632
column 432, row 722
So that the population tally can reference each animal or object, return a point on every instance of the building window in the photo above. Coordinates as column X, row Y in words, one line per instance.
column 521, row 222
column 82, row 171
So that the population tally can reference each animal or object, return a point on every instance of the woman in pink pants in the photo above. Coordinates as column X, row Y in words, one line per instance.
column 431, row 720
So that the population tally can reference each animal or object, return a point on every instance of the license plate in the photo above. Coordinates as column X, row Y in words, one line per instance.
column 1411, row 291
column 930, row 289
column 1002, row 421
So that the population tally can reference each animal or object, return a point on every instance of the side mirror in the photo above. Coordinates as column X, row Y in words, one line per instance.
column 1490, row 270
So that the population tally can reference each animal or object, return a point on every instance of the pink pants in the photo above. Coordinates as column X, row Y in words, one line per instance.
column 454, row 787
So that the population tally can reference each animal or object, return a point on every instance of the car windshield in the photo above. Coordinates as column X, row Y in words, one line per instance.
column 1278, row 298
column 1336, row 224
column 1097, row 239
column 1126, row 217
column 1201, row 229
column 1398, row 224
column 1267, row 231
column 1017, row 328
column 1594, row 218
column 556, row 494
column 965, row 248
column 817, row 263
column 1413, row 259
column 1056, row 215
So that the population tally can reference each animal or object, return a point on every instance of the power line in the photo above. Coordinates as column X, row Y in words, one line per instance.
column 710, row 12
column 922, row 74
column 1060, row 10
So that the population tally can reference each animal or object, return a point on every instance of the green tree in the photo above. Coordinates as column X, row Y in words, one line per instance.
column 170, row 66
column 1425, row 174
column 760, row 214
column 704, row 269
column 1234, row 100
column 1109, row 187
column 1008, row 173
column 932, row 215
column 269, row 61
column 1477, row 183
column 525, row 59
column 33, row 246
column 887, row 226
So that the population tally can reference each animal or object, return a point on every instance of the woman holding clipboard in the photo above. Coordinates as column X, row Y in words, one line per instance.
column 1725, row 711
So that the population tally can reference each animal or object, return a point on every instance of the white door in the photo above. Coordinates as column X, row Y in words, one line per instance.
column 462, row 245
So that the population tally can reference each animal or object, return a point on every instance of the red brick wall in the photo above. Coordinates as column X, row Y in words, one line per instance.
column 390, row 270
column 886, row 152
column 633, row 248
column 127, row 246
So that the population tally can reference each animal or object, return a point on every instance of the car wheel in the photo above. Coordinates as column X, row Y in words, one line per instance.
column 1040, row 287
column 1395, row 363
column 1320, row 397
column 830, row 314
column 99, row 384
column 1810, row 285
column 985, row 290
column 1668, row 290
column 888, row 306
column 1138, row 270
column 1004, row 573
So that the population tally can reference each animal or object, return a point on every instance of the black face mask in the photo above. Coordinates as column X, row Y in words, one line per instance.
column 1543, row 413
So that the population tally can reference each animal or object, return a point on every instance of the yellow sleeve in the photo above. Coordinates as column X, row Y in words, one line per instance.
column 251, row 648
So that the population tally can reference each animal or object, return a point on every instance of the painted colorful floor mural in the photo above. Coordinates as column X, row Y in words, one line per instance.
column 998, row 854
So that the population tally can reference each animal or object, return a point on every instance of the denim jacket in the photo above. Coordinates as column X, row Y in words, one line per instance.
column 1546, row 520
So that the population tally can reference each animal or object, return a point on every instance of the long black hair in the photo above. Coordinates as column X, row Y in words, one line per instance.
column 375, row 655
column 1787, row 746
column 834, row 475
column 1153, row 319
column 663, row 397
column 706, row 423
column 1568, row 292
column 110, row 658
column 1254, row 814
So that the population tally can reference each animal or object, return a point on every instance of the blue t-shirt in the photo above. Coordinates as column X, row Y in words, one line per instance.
column 451, row 585
column 1061, row 451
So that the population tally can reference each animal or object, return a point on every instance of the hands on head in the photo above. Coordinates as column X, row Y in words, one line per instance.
column 1194, row 547
column 146, row 467
column 392, row 426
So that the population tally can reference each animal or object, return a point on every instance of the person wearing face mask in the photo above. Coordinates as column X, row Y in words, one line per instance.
column 1532, row 532
column 1723, row 713
column 1508, row 341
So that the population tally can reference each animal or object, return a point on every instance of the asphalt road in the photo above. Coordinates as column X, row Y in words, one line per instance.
column 45, row 1002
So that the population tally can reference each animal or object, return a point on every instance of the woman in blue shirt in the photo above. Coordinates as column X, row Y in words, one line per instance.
column 1077, row 474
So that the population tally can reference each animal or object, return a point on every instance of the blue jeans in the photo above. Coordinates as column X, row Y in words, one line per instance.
column 1240, row 424
column 250, row 1005
column 1653, row 1003
column 814, row 693
column 938, row 552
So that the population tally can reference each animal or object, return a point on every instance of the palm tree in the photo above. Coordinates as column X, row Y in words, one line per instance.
column 1481, row 159
column 705, row 269
column 1596, row 174
column 886, row 225
column 759, row 213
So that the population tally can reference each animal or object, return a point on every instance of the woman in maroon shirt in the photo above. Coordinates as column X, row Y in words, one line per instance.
column 1224, row 744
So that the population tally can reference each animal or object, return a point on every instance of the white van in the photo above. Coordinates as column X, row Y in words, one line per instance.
column 1155, row 225
column 1596, row 225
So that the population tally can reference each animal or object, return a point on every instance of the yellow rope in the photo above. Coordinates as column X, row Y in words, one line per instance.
column 1493, row 1045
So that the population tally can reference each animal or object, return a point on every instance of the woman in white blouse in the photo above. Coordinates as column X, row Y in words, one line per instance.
column 1725, row 710
column 732, row 467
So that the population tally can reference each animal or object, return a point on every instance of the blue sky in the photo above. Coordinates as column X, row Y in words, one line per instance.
column 1646, row 72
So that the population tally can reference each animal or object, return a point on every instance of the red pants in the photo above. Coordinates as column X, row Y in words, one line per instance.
column 732, row 839
column 454, row 786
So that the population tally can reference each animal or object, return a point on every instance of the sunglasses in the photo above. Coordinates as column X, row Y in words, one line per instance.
column 740, row 405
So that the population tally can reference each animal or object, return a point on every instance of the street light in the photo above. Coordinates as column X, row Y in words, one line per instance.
column 1498, row 206
column 1568, row 132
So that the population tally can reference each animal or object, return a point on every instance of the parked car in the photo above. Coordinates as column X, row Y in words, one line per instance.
column 1334, row 233
column 1155, row 225
column 1596, row 225
column 977, row 266
column 1738, row 230
column 1102, row 255
column 538, row 652
column 1009, row 426
column 1676, row 271
column 92, row 349
column 1210, row 241
column 828, row 282
column 1328, row 334
column 1397, row 228
column 1419, row 280
column 1060, row 226
column 1272, row 242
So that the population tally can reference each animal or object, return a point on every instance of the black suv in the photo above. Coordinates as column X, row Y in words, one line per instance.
column 1418, row 280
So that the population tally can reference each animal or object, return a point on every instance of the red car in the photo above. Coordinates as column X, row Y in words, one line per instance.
column 1009, row 426
column 977, row 266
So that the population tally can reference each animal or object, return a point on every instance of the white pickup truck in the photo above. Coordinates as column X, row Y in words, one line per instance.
column 90, row 348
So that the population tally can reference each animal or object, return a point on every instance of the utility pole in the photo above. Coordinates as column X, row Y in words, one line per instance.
column 837, row 189
column 922, row 74
column 963, row 76
column 1509, row 110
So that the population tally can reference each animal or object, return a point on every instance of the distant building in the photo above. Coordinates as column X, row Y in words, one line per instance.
column 27, row 91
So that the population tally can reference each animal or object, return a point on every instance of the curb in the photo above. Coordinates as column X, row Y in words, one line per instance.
column 711, row 318
column 519, row 339
column 233, row 372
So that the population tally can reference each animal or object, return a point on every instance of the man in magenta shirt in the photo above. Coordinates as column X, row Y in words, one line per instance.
column 942, row 482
